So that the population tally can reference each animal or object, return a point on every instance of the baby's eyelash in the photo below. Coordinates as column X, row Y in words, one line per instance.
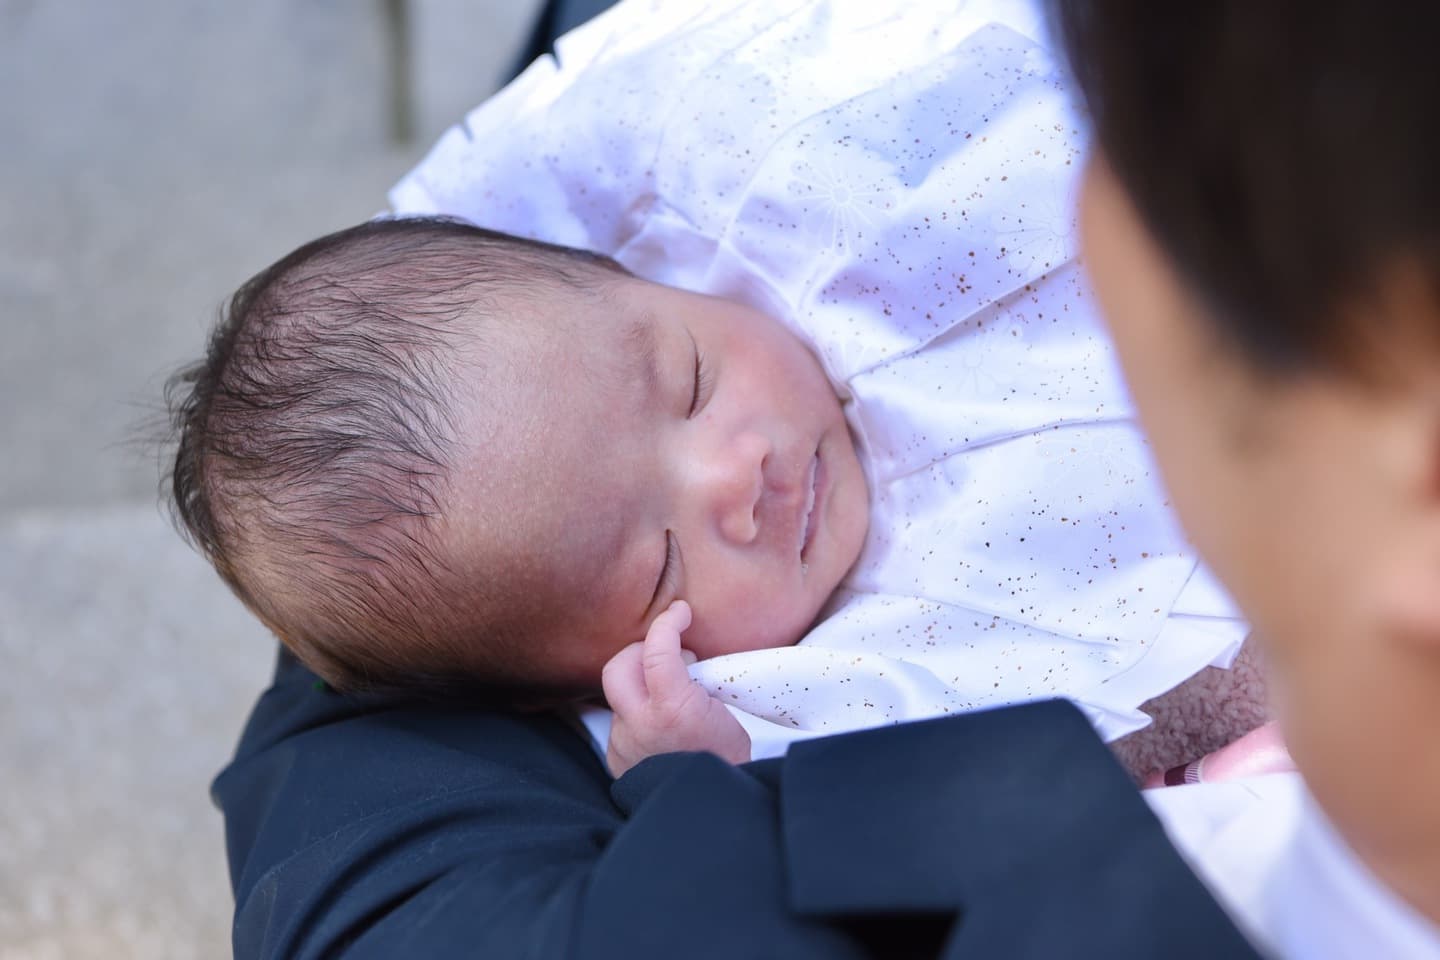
column 702, row 384
column 667, row 572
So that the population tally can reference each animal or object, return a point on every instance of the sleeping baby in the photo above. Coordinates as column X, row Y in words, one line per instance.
column 437, row 457
column 434, row 457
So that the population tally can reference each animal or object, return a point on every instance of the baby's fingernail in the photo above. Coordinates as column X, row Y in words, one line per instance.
column 689, row 657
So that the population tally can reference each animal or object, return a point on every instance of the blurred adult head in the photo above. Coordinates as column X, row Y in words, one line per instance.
column 1261, row 219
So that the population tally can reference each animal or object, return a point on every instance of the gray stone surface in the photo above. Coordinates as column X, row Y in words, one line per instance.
column 128, row 671
column 152, row 156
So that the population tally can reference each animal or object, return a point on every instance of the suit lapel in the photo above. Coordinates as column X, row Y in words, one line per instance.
column 1018, row 822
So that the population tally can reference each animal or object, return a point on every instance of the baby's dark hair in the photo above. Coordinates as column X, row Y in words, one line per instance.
column 315, row 443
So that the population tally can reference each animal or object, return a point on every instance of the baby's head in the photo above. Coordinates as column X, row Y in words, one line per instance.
column 436, row 457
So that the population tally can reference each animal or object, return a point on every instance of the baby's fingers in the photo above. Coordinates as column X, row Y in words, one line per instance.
column 663, row 660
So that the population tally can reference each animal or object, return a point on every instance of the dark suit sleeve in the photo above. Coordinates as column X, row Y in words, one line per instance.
column 384, row 829
column 381, row 829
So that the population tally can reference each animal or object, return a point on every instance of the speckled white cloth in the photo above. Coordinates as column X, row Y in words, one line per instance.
column 898, row 189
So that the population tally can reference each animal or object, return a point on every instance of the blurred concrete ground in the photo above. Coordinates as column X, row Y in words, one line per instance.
column 154, row 154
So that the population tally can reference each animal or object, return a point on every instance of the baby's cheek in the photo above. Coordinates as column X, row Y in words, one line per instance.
column 762, row 621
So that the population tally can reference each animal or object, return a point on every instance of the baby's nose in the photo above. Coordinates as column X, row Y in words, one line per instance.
column 737, row 483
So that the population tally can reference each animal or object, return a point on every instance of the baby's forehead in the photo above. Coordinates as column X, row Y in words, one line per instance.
column 555, row 330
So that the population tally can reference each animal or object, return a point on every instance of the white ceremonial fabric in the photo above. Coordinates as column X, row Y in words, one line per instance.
column 898, row 189
column 1273, row 860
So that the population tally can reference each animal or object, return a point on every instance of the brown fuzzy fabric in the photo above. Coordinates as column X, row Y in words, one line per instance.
column 1211, row 709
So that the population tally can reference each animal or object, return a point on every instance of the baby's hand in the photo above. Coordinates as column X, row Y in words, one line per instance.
column 658, row 708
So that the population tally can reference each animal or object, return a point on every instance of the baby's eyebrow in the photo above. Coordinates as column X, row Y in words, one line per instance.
column 642, row 349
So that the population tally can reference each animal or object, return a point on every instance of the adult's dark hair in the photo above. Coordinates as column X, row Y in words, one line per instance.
column 315, row 441
column 1285, row 155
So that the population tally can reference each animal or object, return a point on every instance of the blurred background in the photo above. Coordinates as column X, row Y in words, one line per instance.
column 153, row 155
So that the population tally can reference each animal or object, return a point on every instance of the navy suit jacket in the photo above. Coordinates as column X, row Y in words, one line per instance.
column 378, row 828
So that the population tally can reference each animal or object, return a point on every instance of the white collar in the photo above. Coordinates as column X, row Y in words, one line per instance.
column 1275, row 862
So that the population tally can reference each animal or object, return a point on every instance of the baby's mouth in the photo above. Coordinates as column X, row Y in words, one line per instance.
column 810, row 524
